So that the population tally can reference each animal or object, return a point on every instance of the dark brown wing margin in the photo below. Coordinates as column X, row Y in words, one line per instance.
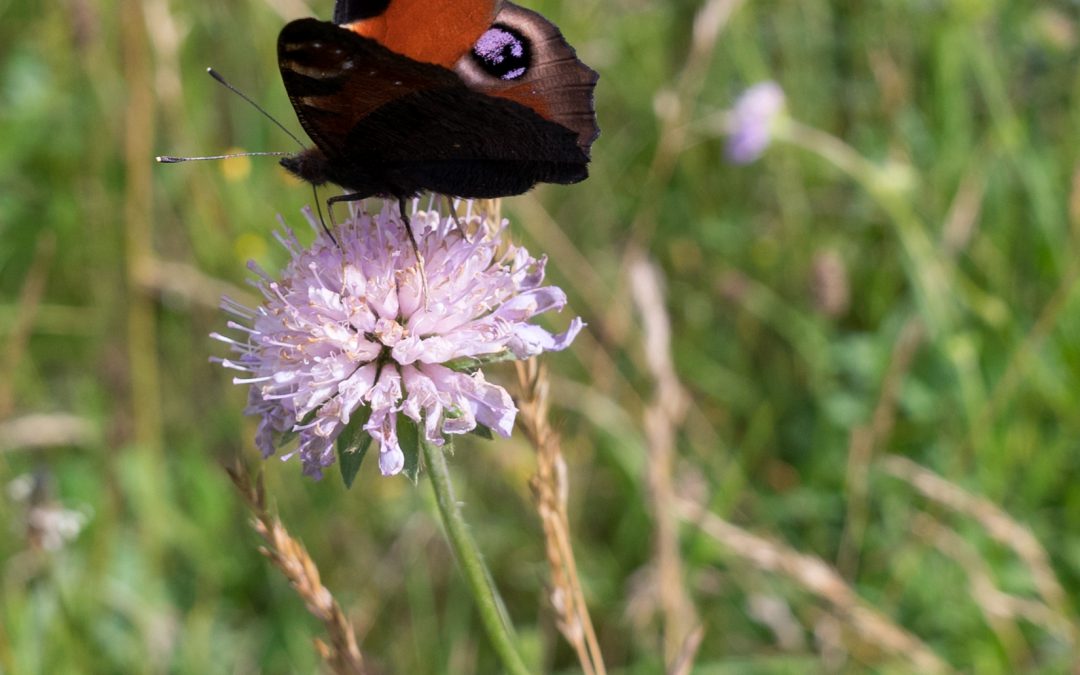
column 557, row 85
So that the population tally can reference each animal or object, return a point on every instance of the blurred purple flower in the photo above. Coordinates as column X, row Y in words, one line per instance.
column 753, row 120
column 347, row 328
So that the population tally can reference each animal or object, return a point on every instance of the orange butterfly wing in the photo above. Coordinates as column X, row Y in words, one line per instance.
column 556, row 85
column 430, row 31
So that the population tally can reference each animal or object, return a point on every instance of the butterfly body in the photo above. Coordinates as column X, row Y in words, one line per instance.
column 488, row 114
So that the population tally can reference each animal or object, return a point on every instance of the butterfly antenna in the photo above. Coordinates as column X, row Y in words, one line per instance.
column 415, row 248
column 169, row 159
column 217, row 76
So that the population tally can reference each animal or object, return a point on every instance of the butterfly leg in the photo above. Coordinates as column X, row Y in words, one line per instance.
column 350, row 197
column 347, row 197
column 415, row 248
column 322, row 221
column 454, row 217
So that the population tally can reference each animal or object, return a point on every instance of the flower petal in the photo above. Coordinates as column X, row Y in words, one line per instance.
column 527, row 305
column 348, row 325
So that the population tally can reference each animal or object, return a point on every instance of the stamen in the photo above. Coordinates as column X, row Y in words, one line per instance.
column 252, row 380
column 227, row 363
column 236, row 309
column 240, row 327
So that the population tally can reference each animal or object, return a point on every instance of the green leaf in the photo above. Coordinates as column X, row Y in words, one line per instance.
column 409, row 438
column 352, row 446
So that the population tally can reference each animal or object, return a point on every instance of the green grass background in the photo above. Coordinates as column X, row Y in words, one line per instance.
column 967, row 117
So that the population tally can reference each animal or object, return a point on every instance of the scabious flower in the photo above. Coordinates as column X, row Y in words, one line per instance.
column 753, row 122
column 348, row 335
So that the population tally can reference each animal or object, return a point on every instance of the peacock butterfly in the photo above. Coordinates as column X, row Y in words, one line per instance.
column 470, row 98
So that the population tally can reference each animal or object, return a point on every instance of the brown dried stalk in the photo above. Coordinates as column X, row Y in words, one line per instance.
column 684, row 660
column 997, row 523
column 342, row 655
column 550, row 491
column 161, row 277
column 819, row 578
column 46, row 430
column 1000, row 609
column 664, row 414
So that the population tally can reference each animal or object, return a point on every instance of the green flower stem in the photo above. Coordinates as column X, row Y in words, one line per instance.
column 472, row 565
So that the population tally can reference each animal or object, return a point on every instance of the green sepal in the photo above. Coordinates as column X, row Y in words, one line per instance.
column 409, row 439
column 470, row 364
column 353, row 445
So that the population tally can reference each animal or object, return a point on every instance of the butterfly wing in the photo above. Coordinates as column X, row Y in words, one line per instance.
column 498, row 48
column 335, row 78
column 457, row 141
column 524, row 58
column 388, row 124
column 438, row 32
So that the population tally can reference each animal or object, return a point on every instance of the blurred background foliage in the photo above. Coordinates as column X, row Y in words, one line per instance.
column 889, row 291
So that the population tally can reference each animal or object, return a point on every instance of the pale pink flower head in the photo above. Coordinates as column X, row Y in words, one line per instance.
column 753, row 122
column 345, row 340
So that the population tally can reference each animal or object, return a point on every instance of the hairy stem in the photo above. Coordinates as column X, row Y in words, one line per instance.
column 498, row 628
